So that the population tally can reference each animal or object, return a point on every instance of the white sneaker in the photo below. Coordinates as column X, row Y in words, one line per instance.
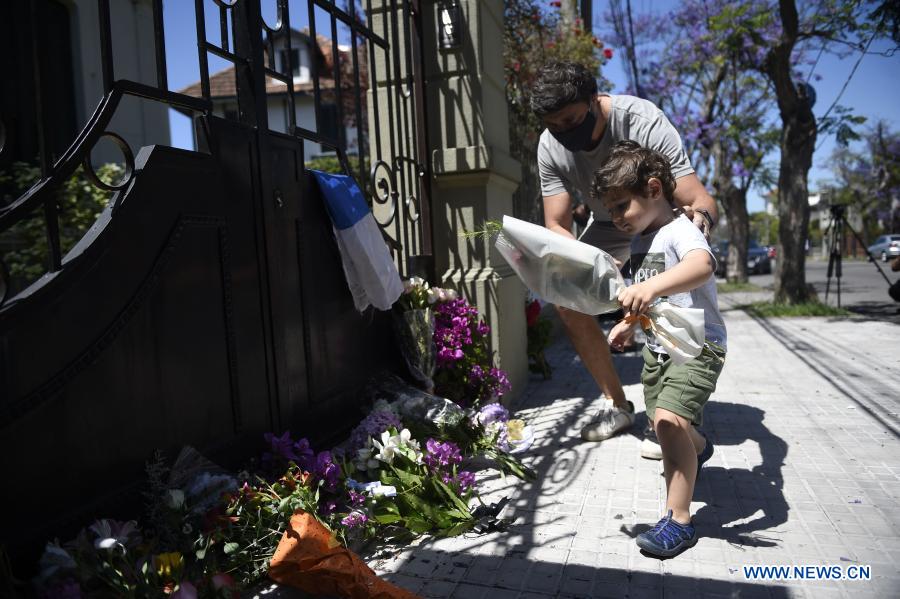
column 650, row 448
column 609, row 421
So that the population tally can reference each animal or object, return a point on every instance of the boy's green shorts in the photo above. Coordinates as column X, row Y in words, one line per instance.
column 682, row 389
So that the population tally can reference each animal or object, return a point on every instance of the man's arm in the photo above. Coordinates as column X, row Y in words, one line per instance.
column 691, row 196
column 558, row 213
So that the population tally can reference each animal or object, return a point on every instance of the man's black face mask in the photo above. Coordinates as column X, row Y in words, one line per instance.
column 578, row 138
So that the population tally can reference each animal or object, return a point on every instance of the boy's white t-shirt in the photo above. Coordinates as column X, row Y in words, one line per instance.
column 655, row 252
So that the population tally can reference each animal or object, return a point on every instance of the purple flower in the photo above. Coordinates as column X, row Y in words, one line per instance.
column 280, row 447
column 492, row 412
column 441, row 455
column 328, row 507
column 327, row 470
column 466, row 480
column 355, row 519
column 356, row 499
column 372, row 426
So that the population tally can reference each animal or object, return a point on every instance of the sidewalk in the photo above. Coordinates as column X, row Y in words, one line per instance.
column 806, row 472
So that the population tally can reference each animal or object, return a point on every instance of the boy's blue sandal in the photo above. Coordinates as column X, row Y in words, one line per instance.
column 668, row 538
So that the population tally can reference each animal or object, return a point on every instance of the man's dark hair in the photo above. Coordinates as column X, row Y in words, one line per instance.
column 630, row 167
column 560, row 83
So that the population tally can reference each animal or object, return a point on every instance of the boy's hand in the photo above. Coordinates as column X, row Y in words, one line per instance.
column 620, row 335
column 637, row 298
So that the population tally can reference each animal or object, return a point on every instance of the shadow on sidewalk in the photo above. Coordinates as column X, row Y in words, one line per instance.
column 431, row 572
column 740, row 503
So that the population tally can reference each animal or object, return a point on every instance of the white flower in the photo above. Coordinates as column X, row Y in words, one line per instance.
column 433, row 295
column 384, row 490
column 111, row 533
column 387, row 447
column 451, row 294
column 174, row 499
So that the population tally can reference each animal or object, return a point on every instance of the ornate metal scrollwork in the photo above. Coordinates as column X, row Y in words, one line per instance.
column 384, row 190
column 129, row 165
column 225, row 3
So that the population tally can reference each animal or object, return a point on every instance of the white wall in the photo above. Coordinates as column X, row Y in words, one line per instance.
column 140, row 122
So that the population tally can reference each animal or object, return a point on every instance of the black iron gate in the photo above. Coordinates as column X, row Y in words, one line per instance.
column 207, row 304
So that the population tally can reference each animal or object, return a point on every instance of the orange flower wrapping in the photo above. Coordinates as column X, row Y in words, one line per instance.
column 310, row 559
column 642, row 319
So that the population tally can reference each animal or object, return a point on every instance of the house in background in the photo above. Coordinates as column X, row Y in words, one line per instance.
column 304, row 53
column 71, row 84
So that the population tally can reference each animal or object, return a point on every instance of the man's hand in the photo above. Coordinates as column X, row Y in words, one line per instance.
column 638, row 297
column 692, row 197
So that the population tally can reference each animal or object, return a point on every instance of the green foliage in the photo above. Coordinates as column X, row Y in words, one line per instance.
column 764, row 228
column 78, row 203
column 810, row 308
column 331, row 164
column 532, row 37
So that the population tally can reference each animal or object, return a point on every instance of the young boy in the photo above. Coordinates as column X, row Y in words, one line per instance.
column 669, row 258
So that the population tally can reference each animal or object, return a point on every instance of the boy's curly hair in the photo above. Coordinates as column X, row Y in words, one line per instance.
column 560, row 83
column 630, row 166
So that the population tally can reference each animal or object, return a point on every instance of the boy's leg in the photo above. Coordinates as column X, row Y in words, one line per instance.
column 679, row 460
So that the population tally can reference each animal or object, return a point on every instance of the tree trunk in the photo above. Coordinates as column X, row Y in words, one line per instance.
column 735, row 201
column 798, row 140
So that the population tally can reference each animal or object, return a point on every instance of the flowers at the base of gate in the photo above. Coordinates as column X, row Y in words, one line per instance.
column 112, row 533
column 392, row 443
column 169, row 565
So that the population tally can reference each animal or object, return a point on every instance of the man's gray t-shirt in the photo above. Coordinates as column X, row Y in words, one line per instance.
column 630, row 118
column 655, row 252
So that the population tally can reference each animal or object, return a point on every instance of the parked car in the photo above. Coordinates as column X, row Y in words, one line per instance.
column 759, row 258
column 886, row 247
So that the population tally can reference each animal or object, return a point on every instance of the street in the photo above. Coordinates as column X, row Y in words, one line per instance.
column 863, row 289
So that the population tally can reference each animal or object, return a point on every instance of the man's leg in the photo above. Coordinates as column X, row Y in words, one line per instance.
column 586, row 335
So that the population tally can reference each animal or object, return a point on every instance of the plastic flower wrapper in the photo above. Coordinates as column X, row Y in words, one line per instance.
column 580, row 277
column 309, row 558
column 560, row 270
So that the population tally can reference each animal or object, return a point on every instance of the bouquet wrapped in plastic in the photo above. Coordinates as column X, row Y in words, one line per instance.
column 560, row 270
column 581, row 277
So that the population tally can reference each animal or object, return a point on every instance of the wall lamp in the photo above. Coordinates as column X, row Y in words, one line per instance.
column 449, row 24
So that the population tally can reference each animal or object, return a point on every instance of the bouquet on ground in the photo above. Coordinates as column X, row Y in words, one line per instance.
column 455, row 361
column 487, row 431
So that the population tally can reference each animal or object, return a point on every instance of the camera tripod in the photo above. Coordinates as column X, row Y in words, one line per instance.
column 834, row 235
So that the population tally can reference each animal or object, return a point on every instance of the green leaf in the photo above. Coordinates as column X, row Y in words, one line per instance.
column 388, row 518
column 230, row 548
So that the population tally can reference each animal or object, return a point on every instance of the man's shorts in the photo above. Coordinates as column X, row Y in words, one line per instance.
column 683, row 389
column 605, row 235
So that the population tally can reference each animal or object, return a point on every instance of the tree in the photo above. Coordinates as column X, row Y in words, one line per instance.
column 868, row 179
column 688, row 63
column 775, row 34
column 533, row 37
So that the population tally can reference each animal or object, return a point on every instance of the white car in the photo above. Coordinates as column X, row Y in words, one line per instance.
column 886, row 247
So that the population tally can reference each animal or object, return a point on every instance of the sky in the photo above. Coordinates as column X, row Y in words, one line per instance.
column 873, row 91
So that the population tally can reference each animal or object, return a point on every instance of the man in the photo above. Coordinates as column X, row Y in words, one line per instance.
column 581, row 127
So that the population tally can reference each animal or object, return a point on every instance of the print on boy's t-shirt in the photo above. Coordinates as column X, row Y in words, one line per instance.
column 651, row 264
